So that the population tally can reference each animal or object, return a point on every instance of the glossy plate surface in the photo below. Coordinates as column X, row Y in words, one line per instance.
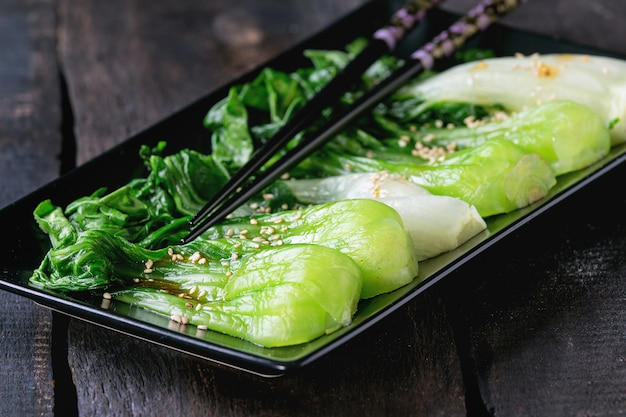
column 18, row 261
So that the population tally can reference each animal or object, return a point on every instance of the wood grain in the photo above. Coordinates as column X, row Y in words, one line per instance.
column 598, row 24
column 29, row 146
column 129, row 64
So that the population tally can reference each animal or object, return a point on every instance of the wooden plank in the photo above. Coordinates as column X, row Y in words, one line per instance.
column 545, row 312
column 129, row 64
column 598, row 23
column 407, row 367
column 29, row 145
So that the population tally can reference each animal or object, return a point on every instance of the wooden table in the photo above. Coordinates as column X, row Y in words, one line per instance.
column 537, row 328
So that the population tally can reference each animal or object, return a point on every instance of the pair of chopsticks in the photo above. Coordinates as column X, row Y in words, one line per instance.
column 245, row 184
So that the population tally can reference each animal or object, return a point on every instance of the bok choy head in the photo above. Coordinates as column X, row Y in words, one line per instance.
column 368, row 231
column 524, row 81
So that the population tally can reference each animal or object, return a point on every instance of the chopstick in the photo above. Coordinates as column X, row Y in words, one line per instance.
column 444, row 44
column 384, row 40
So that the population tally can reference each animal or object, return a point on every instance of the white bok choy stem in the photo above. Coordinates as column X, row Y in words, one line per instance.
column 436, row 224
column 518, row 82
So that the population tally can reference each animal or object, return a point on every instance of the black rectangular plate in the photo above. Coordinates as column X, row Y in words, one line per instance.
column 184, row 129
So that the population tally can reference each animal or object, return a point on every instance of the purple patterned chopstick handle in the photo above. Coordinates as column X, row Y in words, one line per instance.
column 403, row 20
column 478, row 18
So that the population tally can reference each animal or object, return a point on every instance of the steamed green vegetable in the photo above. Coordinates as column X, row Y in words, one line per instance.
column 518, row 82
column 568, row 135
column 280, row 272
column 436, row 223
column 277, row 297
column 370, row 232
column 495, row 177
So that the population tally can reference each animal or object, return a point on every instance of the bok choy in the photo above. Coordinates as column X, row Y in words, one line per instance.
column 436, row 223
column 408, row 181
column 518, row 82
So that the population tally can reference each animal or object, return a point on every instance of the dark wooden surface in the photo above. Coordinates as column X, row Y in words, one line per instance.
column 536, row 328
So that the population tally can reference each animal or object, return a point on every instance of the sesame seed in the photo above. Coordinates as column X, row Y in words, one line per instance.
column 229, row 273
column 107, row 296
column 230, row 232
column 188, row 304
column 149, row 264
column 201, row 293
column 170, row 251
column 226, row 264
column 175, row 317
column 202, row 327
column 147, row 270
column 198, row 307
column 202, row 261
column 193, row 290
column 184, row 320
column 254, row 221
column 268, row 196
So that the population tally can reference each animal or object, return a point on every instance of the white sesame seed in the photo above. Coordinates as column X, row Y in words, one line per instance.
column 107, row 296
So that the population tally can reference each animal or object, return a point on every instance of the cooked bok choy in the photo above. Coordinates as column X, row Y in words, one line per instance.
column 495, row 177
column 597, row 82
column 568, row 135
column 314, row 263
column 287, row 274
column 276, row 297
column 436, row 223
column 368, row 231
